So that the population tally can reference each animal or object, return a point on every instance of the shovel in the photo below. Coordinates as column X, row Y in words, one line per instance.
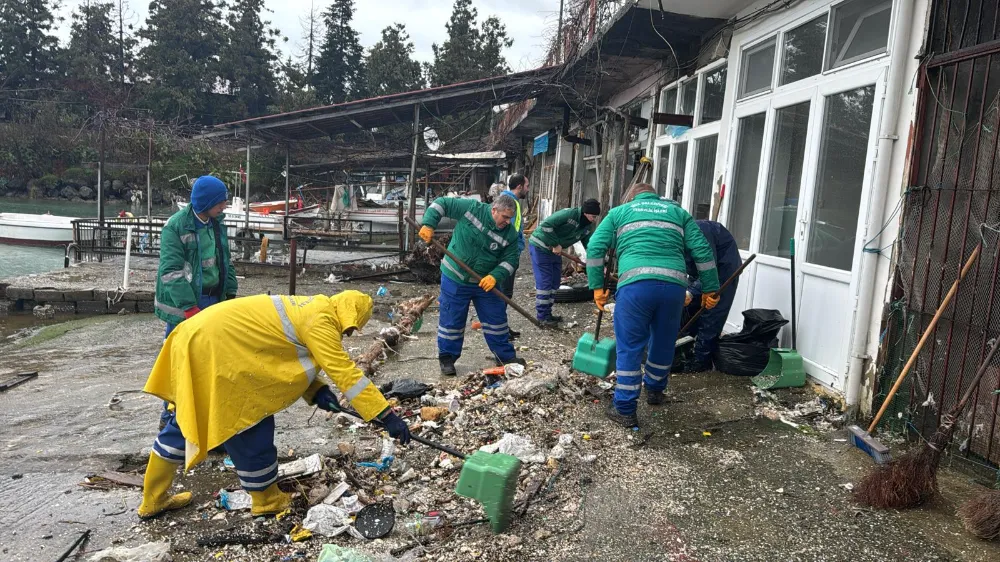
column 595, row 356
column 784, row 366
column 477, row 278
column 690, row 339
column 489, row 478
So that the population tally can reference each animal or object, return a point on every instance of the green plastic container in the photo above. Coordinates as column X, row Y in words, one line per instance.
column 491, row 479
column 784, row 370
column 598, row 360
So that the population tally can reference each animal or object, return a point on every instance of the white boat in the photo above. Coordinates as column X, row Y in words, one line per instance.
column 36, row 230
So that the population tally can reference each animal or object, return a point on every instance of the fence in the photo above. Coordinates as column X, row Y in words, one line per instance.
column 952, row 206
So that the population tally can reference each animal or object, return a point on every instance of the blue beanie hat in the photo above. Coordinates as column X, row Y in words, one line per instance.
column 207, row 192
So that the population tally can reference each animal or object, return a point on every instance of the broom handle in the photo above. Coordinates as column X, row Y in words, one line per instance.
column 477, row 277
column 722, row 288
column 608, row 272
column 975, row 380
column 923, row 339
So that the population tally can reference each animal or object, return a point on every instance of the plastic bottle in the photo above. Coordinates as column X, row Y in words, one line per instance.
column 421, row 525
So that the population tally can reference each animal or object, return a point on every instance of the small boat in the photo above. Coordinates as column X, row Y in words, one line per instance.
column 267, row 207
column 36, row 230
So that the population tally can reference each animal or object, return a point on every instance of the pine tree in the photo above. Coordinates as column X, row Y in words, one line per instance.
column 248, row 60
column 28, row 51
column 126, row 43
column 339, row 73
column 312, row 30
column 92, row 62
column 390, row 67
column 180, row 62
column 469, row 53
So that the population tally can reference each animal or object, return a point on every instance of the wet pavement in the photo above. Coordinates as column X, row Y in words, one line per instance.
column 706, row 478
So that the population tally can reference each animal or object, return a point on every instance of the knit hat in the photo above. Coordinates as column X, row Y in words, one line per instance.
column 591, row 207
column 207, row 192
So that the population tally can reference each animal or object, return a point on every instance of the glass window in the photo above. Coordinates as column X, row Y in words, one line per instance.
column 704, row 177
column 689, row 94
column 787, row 155
column 860, row 29
column 680, row 162
column 714, row 92
column 841, row 171
column 743, row 191
column 590, row 190
column 662, row 171
column 757, row 69
column 803, row 51
column 668, row 99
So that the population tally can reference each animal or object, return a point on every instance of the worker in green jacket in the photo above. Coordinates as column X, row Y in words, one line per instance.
column 485, row 240
column 561, row 230
column 195, row 269
column 651, row 237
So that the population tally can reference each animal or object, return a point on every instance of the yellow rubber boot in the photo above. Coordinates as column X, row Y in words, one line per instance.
column 156, row 484
column 270, row 501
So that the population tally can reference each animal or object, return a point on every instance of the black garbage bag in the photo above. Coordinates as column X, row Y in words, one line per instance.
column 405, row 388
column 746, row 354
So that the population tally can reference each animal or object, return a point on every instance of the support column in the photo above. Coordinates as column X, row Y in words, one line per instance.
column 149, row 175
column 412, row 211
column 288, row 197
column 246, row 201
column 100, row 176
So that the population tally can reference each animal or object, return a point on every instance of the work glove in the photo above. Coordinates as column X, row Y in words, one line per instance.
column 687, row 298
column 487, row 283
column 426, row 234
column 325, row 400
column 191, row 312
column 396, row 427
column 709, row 300
column 557, row 250
column 601, row 298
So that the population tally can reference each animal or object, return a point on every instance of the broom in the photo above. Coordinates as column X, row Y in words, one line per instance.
column 981, row 515
column 912, row 479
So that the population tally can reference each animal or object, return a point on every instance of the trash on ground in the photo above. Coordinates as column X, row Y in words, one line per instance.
column 337, row 553
column 110, row 480
column 405, row 388
column 517, row 445
column 149, row 552
column 327, row 520
column 235, row 500
column 376, row 520
column 300, row 467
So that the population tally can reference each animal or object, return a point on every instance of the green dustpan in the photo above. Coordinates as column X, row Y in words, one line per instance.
column 784, row 366
column 595, row 359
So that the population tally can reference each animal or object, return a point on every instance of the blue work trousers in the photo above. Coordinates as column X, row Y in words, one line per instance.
column 492, row 312
column 647, row 313
column 252, row 450
column 548, row 272
column 708, row 327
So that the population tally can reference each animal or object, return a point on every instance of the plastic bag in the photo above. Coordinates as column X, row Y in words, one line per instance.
column 149, row 552
column 327, row 520
column 744, row 359
column 760, row 325
column 405, row 388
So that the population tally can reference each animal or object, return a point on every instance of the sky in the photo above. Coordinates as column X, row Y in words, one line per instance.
column 527, row 21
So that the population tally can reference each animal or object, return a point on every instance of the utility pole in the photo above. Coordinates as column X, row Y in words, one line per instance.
column 412, row 211
column 149, row 175
column 246, row 202
column 100, row 175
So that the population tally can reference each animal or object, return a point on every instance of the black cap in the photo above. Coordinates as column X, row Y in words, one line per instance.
column 591, row 207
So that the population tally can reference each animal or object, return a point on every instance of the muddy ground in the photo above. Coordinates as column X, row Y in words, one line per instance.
column 705, row 478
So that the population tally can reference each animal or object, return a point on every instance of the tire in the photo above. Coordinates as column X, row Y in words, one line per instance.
column 577, row 294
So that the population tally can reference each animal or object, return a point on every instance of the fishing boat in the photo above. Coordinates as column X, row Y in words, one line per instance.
column 36, row 230
column 267, row 207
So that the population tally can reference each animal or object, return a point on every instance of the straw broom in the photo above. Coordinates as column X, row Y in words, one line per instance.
column 912, row 479
column 981, row 515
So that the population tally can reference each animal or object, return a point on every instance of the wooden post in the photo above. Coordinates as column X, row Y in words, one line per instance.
column 412, row 212
column 100, row 176
column 291, row 267
column 402, row 234
column 246, row 201
column 149, row 175
column 288, row 198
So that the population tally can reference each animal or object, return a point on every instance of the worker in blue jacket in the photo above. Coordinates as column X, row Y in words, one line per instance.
column 708, row 326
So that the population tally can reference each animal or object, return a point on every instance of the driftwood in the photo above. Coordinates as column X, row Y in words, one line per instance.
column 389, row 338
column 424, row 260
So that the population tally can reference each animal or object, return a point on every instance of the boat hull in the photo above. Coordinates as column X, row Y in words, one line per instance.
column 35, row 230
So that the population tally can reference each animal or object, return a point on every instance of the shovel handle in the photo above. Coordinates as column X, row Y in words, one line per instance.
column 722, row 288
column 478, row 277
column 608, row 273
column 336, row 407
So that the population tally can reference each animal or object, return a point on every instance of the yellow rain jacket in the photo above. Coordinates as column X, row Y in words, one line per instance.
column 237, row 362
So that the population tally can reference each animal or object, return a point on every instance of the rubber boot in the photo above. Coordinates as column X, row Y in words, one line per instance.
column 270, row 501
column 155, row 499
column 447, row 363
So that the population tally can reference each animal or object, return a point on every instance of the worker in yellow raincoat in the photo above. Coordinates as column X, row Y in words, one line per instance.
column 229, row 369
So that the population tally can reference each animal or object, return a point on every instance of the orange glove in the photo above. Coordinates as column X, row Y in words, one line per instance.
column 709, row 300
column 191, row 312
column 601, row 298
column 487, row 283
column 687, row 298
column 426, row 233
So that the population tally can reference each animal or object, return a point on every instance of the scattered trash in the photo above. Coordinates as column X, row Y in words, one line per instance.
column 337, row 553
column 337, row 492
column 333, row 279
column 351, row 504
column 45, row 311
column 405, row 388
column 376, row 520
column 300, row 467
column 228, row 462
column 111, row 480
column 16, row 380
column 327, row 520
column 432, row 413
column 407, row 476
column 530, row 387
column 477, row 325
column 423, row 525
column 235, row 500
column 385, row 459
column 382, row 291
column 517, row 445
column 149, row 552
column 513, row 369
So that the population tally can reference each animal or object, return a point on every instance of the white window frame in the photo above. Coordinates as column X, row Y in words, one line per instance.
column 772, row 40
column 871, row 11
column 699, row 131
column 781, row 50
